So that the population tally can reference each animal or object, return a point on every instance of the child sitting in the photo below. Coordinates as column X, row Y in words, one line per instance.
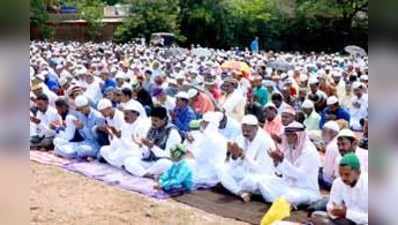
column 178, row 179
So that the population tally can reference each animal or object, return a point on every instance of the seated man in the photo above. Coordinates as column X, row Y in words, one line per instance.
column 42, row 124
column 348, row 204
column 333, row 111
column 312, row 118
column 183, row 113
column 86, row 123
column 123, row 144
column 155, row 158
column 247, row 159
column 114, row 120
column 347, row 142
column 329, row 136
column 209, row 150
column 297, row 163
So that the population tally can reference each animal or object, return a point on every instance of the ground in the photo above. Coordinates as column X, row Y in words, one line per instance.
column 59, row 197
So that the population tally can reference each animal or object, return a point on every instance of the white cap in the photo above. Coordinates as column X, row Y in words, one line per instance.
column 313, row 80
column 81, row 101
column 346, row 133
column 332, row 100
column 182, row 95
column 104, row 103
column 192, row 92
column 250, row 120
column 132, row 106
column 332, row 125
column 120, row 75
column 307, row 104
column 364, row 77
column 337, row 73
column 357, row 85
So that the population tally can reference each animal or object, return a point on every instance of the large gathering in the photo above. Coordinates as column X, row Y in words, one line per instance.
column 287, row 127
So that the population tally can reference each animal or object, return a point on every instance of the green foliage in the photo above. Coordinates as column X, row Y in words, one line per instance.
column 149, row 17
column 93, row 12
column 39, row 18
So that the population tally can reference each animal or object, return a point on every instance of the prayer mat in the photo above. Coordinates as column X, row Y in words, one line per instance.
column 218, row 201
column 116, row 177
column 48, row 158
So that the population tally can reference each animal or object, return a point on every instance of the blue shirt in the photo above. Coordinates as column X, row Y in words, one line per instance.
column 254, row 46
column 340, row 114
column 178, row 176
column 90, row 124
column 183, row 117
column 108, row 84
column 52, row 82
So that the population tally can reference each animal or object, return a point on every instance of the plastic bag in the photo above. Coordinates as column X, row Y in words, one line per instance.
column 279, row 210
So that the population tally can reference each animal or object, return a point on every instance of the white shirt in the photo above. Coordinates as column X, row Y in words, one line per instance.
column 131, row 133
column 93, row 92
column 329, row 163
column 234, row 105
column 69, row 132
column 256, row 158
column 303, row 173
column 354, row 198
column 43, row 128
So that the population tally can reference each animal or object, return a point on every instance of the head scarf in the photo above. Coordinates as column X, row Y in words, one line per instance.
column 293, row 154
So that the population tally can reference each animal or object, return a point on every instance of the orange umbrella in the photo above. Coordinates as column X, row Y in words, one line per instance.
column 238, row 66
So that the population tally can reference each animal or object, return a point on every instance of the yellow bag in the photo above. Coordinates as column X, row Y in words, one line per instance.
column 279, row 210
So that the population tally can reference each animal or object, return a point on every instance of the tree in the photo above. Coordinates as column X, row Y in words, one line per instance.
column 150, row 16
column 92, row 11
column 39, row 18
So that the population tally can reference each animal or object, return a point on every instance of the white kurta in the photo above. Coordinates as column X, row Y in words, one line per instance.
column 43, row 128
column 138, row 167
column 299, row 181
column 358, row 113
column 209, row 151
column 329, row 162
column 354, row 198
column 234, row 105
column 241, row 175
column 125, row 146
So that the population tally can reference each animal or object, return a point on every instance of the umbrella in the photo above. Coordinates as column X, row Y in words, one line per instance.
column 237, row 65
column 201, row 52
column 280, row 65
column 355, row 50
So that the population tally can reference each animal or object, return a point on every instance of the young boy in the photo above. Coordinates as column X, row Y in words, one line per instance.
column 178, row 179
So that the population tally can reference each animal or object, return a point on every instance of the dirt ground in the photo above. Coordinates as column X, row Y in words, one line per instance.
column 61, row 198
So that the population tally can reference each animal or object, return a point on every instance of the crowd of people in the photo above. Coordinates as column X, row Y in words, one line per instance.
column 279, row 125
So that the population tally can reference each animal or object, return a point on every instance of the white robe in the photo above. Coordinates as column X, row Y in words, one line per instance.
column 138, row 167
column 43, row 128
column 241, row 175
column 354, row 198
column 125, row 146
column 209, row 150
column 299, row 181
column 234, row 105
